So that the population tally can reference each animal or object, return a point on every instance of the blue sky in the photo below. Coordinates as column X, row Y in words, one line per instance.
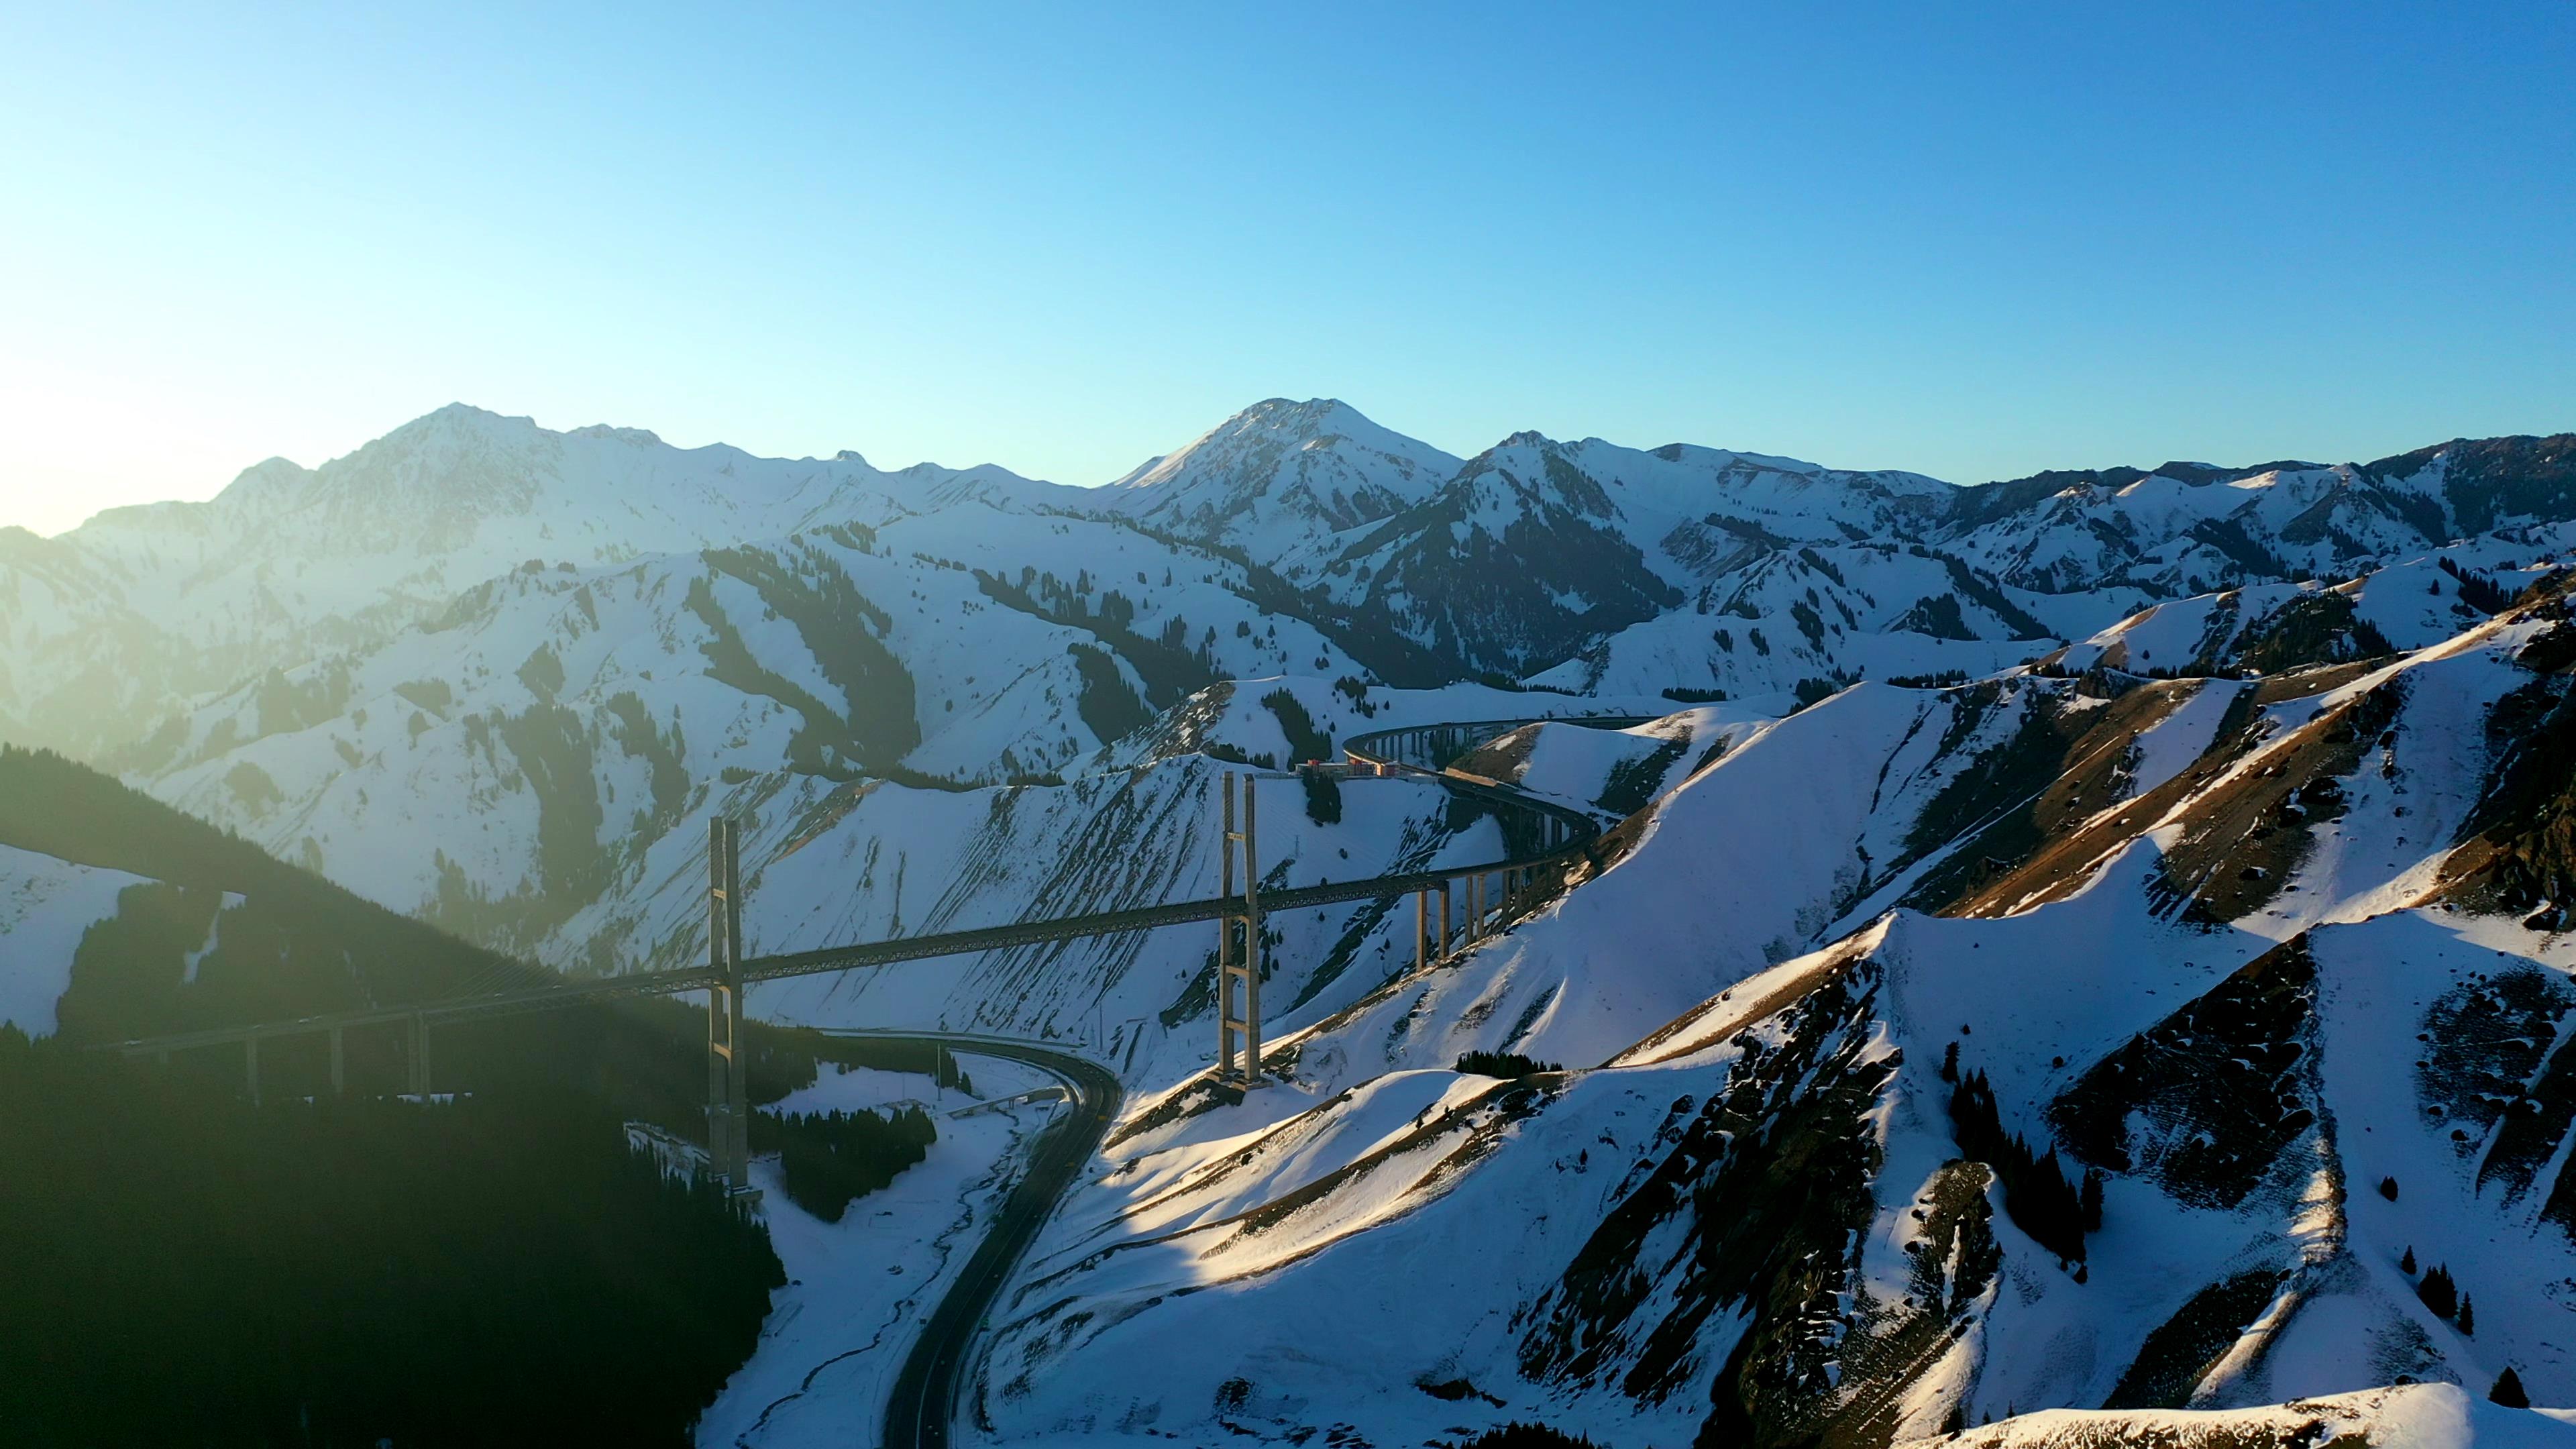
column 1970, row 240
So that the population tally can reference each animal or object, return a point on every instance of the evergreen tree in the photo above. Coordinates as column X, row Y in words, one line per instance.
column 2438, row 1291
column 2406, row 1265
column 2092, row 1199
column 2468, row 1318
column 2508, row 1390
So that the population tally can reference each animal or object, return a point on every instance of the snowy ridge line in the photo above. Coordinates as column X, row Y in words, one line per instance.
column 1581, row 830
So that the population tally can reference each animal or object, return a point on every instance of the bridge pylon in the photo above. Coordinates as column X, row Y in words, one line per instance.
column 728, row 1090
column 1238, row 941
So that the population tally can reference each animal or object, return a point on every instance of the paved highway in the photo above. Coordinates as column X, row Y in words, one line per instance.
column 924, row 1401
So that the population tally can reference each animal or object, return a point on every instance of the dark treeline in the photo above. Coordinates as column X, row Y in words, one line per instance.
column 1518, row 1435
column 185, row 1267
column 2037, row 1195
column 2477, row 590
column 927, row 1059
column 827, row 1160
column 1503, row 1064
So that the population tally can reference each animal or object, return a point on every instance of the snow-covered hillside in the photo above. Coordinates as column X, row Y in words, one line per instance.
column 46, row 907
column 2236, row 977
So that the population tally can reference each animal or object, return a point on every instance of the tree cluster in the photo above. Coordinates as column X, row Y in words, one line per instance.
column 828, row 1160
column 2441, row 1293
column 1503, row 1064
column 2037, row 1195
column 1520, row 1435
column 2477, row 590
column 1323, row 796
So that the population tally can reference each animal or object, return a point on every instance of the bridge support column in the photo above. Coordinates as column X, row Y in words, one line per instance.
column 339, row 1065
column 1238, row 963
column 250, row 1066
column 1446, row 940
column 728, row 1085
column 1421, row 929
column 416, row 1060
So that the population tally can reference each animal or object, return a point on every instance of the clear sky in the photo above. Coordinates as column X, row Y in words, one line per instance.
column 1973, row 240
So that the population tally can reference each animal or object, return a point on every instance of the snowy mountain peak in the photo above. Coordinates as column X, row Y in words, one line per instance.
column 1279, row 423
column 640, row 437
column 462, row 420
column 1280, row 478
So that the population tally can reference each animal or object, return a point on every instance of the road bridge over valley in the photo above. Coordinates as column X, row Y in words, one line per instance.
column 1543, row 840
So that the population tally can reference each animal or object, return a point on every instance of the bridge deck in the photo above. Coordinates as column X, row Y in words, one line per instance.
column 1580, row 830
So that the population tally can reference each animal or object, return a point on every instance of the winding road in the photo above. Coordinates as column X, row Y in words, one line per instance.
column 924, row 1400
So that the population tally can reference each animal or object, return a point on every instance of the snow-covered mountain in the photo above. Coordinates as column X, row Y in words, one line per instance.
column 1280, row 479
column 2202, row 830
column 141, row 609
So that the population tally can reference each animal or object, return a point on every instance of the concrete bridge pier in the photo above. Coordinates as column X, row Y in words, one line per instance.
column 728, row 1085
column 1238, row 962
column 416, row 1058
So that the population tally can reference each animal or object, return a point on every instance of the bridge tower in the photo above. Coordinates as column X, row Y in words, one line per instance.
column 1238, row 959
column 728, row 1092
